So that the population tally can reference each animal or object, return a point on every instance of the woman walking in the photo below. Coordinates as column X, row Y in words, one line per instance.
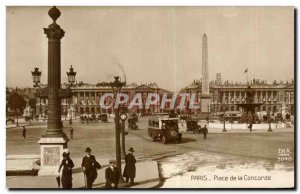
column 67, row 165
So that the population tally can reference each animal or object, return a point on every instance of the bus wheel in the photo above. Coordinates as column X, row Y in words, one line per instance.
column 164, row 140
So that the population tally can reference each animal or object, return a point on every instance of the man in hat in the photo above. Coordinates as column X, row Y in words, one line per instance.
column 129, row 170
column 112, row 175
column 89, row 166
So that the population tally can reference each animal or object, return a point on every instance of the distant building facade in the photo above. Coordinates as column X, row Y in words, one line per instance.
column 275, row 97
column 86, row 99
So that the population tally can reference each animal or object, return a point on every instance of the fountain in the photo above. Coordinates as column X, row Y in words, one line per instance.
column 249, row 106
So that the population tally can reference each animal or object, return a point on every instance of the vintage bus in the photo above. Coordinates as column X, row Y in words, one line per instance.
column 164, row 129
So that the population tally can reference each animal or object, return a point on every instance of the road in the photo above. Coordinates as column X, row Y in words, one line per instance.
column 228, row 147
column 100, row 137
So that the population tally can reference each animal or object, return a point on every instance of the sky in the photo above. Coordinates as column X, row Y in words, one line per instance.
column 154, row 44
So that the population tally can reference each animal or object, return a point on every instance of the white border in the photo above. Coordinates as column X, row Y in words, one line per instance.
column 5, row 3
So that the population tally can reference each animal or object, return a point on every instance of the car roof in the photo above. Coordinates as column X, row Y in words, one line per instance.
column 163, row 118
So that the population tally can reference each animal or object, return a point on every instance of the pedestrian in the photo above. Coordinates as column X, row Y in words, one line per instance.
column 205, row 131
column 89, row 166
column 66, row 176
column 112, row 175
column 130, row 170
column 24, row 132
column 71, row 132
column 250, row 127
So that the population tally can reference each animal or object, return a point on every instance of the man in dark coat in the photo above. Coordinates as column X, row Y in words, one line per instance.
column 90, row 166
column 205, row 131
column 67, row 165
column 250, row 127
column 129, row 170
column 24, row 132
column 112, row 175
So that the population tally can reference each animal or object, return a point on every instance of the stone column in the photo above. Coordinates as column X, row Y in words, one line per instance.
column 78, row 98
column 54, row 139
column 84, row 100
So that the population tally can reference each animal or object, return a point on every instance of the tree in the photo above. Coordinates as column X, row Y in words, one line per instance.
column 32, row 104
column 16, row 104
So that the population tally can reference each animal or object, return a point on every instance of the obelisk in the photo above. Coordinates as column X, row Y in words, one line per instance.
column 205, row 96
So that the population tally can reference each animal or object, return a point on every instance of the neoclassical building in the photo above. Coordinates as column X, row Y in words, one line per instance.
column 86, row 99
column 275, row 97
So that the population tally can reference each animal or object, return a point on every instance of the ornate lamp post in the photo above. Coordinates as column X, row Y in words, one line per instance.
column 71, row 79
column 123, row 118
column 54, row 139
column 269, row 118
column 36, row 76
column 208, row 109
column 116, row 88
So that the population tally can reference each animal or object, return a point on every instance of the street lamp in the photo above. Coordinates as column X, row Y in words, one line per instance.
column 36, row 76
column 116, row 88
column 71, row 79
column 208, row 109
column 269, row 117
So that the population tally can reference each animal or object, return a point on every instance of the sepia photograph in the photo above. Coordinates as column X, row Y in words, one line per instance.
column 155, row 97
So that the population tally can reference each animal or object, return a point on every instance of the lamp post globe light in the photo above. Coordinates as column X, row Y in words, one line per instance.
column 36, row 76
column 71, row 76
column 54, row 140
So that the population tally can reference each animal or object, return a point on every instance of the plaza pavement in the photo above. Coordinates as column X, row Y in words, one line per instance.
column 146, row 176
column 143, row 180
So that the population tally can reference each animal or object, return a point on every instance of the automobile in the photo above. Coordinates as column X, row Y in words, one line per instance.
column 192, row 125
column 134, row 116
column 132, row 123
column 164, row 129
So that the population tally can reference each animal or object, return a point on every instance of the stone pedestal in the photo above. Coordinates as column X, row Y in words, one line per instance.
column 205, row 103
column 51, row 154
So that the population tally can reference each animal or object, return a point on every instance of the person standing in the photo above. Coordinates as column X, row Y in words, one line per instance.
column 205, row 131
column 130, row 170
column 90, row 166
column 112, row 175
column 250, row 127
column 66, row 165
column 24, row 132
column 71, row 132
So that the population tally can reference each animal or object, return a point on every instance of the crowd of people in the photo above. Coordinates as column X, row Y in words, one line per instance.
column 90, row 166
